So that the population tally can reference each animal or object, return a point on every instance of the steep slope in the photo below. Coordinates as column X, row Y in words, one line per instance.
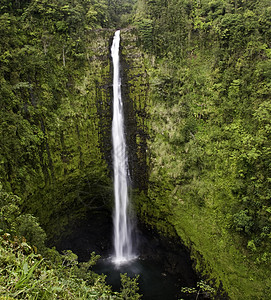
column 209, row 65
column 55, row 94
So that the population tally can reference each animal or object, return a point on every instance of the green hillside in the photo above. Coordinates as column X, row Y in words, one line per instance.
column 209, row 64
column 197, row 82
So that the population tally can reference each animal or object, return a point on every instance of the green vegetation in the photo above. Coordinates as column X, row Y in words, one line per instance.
column 205, row 116
column 30, row 270
column 202, row 289
column 209, row 65
column 27, row 275
column 54, row 109
column 129, row 287
column 54, row 72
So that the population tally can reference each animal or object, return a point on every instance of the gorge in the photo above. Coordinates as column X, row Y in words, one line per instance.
column 195, row 80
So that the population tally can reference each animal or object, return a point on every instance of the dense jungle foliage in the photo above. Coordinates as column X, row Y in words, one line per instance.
column 209, row 147
column 55, row 69
column 210, row 72
column 30, row 270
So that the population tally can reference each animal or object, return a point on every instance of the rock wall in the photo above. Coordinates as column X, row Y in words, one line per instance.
column 55, row 157
column 135, row 87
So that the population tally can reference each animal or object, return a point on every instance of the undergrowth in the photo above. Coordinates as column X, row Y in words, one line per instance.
column 25, row 274
column 30, row 270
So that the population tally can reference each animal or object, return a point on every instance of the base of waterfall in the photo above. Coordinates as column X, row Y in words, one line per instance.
column 120, row 261
column 163, row 265
column 154, row 282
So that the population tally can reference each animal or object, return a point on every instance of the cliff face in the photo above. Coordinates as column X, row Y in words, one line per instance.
column 209, row 135
column 56, row 129
column 53, row 139
column 135, row 90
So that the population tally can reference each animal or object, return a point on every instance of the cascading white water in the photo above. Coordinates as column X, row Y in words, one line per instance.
column 122, row 227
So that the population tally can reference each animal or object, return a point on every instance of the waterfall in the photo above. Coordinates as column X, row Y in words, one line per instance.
column 122, row 225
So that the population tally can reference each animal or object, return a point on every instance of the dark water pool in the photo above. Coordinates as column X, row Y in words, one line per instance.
column 154, row 282
column 164, row 265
